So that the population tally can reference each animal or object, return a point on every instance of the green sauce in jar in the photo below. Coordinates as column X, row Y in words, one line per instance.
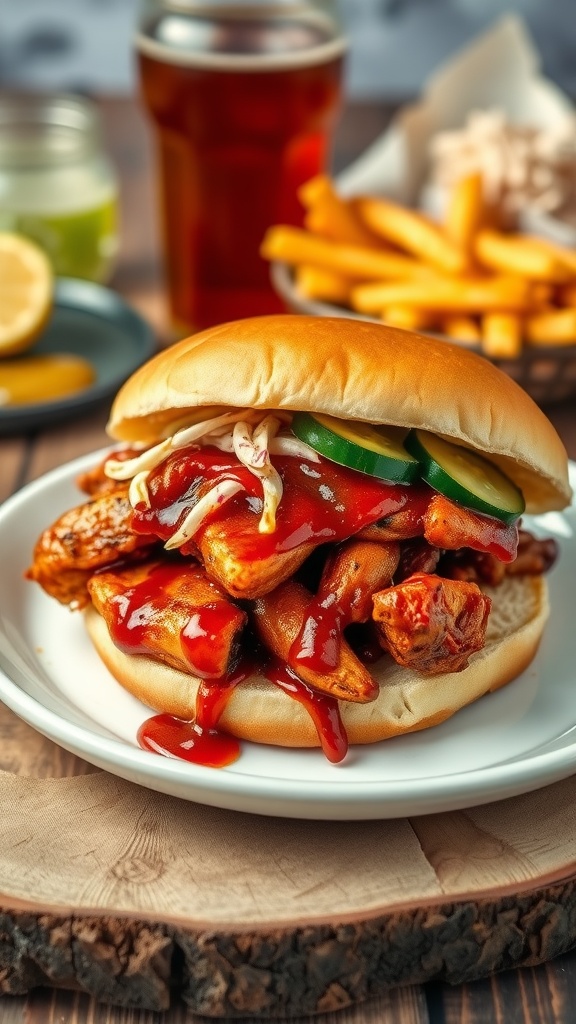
column 57, row 185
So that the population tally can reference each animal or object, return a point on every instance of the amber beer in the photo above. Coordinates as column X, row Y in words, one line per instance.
column 243, row 99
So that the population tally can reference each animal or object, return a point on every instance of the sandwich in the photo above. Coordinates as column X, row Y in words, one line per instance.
column 309, row 533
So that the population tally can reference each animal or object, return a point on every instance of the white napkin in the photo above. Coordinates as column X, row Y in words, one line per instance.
column 499, row 70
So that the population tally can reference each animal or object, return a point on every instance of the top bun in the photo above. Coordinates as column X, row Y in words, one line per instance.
column 354, row 370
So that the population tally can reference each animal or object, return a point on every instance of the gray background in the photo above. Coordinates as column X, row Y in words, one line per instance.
column 86, row 44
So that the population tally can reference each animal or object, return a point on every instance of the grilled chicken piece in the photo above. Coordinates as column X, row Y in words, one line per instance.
column 431, row 624
column 85, row 538
column 222, row 546
column 448, row 525
column 535, row 555
column 417, row 555
column 94, row 481
column 278, row 619
column 352, row 573
column 409, row 522
column 473, row 567
column 172, row 612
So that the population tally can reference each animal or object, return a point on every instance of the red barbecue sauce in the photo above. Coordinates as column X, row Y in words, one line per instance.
column 319, row 641
column 140, row 607
column 201, row 741
column 323, row 710
column 322, row 502
column 132, row 622
column 318, row 644
column 172, row 737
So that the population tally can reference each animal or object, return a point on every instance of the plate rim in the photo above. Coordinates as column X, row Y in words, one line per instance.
column 459, row 789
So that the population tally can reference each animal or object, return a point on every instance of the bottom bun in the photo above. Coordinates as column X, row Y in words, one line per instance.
column 259, row 711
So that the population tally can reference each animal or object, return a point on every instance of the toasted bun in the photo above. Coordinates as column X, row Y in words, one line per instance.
column 354, row 370
column 407, row 702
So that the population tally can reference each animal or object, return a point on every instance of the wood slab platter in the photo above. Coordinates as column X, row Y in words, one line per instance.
column 132, row 896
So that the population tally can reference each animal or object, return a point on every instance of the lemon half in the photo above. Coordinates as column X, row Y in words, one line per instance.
column 26, row 291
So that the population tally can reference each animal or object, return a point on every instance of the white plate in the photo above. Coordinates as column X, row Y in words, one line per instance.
column 509, row 742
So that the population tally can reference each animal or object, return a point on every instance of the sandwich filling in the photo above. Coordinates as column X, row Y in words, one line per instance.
column 234, row 546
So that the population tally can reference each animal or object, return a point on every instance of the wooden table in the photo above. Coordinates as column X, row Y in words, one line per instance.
column 542, row 994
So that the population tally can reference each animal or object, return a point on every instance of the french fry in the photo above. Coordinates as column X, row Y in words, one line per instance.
column 464, row 213
column 557, row 327
column 315, row 190
column 295, row 246
column 463, row 295
column 542, row 295
column 469, row 279
column 565, row 256
column 324, row 285
column 516, row 254
column 331, row 220
column 413, row 232
column 408, row 317
column 463, row 329
column 331, row 216
column 501, row 335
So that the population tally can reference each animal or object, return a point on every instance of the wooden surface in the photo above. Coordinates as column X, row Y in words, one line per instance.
column 532, row 994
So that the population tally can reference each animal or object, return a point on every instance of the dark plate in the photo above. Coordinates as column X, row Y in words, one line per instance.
column 94, row 322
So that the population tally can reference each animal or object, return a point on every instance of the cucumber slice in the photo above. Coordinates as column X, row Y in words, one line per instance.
column 466, row 477
column 377, row 451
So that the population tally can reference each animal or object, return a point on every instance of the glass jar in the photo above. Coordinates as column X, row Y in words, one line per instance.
column 57, row 185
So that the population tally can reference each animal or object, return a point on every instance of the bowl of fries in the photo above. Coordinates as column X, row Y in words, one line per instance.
column 509, row 295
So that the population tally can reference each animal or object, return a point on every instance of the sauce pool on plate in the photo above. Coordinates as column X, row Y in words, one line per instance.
column 28, row 380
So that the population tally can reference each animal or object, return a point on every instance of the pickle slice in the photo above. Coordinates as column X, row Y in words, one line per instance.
column 466, row 477
column 374, row 450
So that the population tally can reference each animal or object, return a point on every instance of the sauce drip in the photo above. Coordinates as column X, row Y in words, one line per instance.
column 323, row 710
column 199, row 741
column 201, row 637
column 171, row 737
column 318, row 644
column 491, row 535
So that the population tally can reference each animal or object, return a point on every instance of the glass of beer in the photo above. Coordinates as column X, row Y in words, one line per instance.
column 243, row 98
